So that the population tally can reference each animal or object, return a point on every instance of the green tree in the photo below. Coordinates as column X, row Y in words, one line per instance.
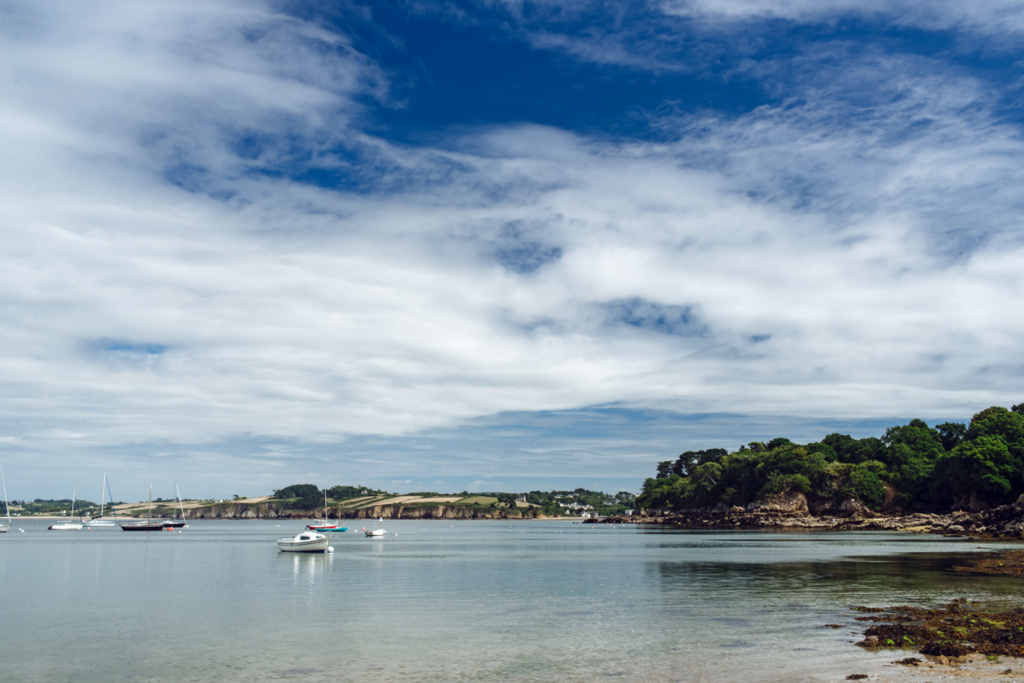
column 951, row 434
column 297, row 491
column 982, row 468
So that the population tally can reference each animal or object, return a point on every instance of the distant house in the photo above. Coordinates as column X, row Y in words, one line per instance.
column 521, row 498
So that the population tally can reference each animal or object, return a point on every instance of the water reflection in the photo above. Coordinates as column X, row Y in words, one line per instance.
column 466, row 601
column 309, row 568
column 914, row 577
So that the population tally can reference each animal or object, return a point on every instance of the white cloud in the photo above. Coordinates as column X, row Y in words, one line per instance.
column 698, row 35
column 995, row 16
column 1000, row 16
column 853, row 252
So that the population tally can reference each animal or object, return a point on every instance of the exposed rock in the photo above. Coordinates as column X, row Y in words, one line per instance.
column 791, row 503
column 853, row 508
column 791, row 511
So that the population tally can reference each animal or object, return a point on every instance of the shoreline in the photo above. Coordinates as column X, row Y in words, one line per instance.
column 791, row 511
column 974, row 667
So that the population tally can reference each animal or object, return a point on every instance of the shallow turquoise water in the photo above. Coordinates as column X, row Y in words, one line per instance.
column 459, row 601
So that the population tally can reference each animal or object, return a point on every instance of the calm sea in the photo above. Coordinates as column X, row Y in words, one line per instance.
column 459, row 601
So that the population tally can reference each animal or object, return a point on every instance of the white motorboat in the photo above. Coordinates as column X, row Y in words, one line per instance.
column 67, row 526
column 306, row 542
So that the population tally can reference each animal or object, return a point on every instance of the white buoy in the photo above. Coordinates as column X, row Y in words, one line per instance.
column 330, row 549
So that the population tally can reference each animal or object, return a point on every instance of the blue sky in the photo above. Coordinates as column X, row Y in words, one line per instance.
column 495, row 245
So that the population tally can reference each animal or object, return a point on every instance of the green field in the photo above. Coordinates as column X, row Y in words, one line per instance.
column 477, row 500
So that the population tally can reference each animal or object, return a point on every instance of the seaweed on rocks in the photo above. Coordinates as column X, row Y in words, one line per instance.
column 1004, row 563
column 957, row 629
column 909, row 661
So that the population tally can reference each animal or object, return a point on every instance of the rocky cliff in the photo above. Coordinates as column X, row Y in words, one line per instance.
column 434, row 512
column 275, row 510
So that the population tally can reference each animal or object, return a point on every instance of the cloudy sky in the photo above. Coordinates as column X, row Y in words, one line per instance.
column 495, row 244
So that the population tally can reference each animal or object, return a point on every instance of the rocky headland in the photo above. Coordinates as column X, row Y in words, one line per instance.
column 792, row 511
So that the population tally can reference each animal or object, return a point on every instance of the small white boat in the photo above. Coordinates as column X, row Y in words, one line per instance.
column 96, row 522
column 375, row 532
column 306, row 542
column 67, row 526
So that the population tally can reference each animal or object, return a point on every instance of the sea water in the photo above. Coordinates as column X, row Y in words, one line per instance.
column 460, row 601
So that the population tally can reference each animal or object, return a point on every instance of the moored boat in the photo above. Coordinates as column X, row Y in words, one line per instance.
column 142, row 526
column 148, row 525
column 99, row 522
column 177, row 523
column 375, row 532
column 326, row 524
column 305, row 542
column 67, row 526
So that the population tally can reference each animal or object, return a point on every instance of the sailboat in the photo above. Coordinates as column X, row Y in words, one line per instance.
column 67, row 526
column 4, row 528
column 375, row 532
column 177, row 523
column 147, row 525
column 326, row 524
column 96, row 522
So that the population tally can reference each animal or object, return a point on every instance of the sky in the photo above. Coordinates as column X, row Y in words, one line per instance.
column 495, row 245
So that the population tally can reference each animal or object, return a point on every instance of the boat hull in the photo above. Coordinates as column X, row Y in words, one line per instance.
column 176, row 525
column 327, row 527
column 304, row 543
column 66, row 526
column 142, row 527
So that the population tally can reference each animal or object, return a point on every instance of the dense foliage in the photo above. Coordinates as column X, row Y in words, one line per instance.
column 58, row 506
column 297, row 491
column 911, row 467
column 309, row 497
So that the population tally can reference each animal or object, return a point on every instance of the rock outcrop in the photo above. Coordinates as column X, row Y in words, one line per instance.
column 792, row 511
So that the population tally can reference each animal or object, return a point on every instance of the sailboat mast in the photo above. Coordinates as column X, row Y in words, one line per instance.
column 150, row 513
column 180, row 506
column 73, row 496
column 103, row 493
column 6, row 504
column 111, row 498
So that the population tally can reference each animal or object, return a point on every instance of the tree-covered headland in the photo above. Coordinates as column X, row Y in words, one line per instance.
column 911, row 467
